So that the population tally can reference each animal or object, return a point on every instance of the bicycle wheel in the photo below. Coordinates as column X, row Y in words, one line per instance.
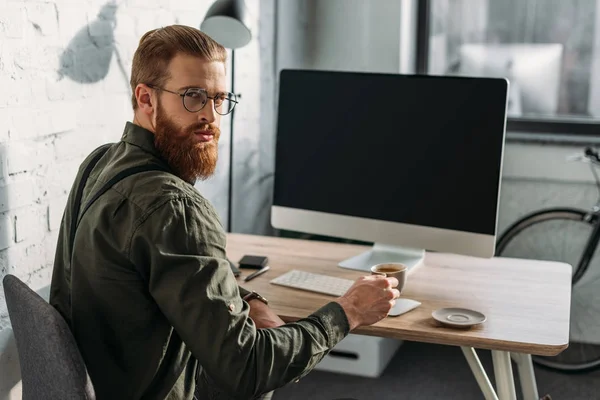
column 563, row 235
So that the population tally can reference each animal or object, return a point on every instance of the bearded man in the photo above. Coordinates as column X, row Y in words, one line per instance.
column 141, row 275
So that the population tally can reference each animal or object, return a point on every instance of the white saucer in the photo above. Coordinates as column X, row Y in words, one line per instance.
column 458, row 317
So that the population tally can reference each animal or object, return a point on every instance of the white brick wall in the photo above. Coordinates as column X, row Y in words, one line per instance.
column 50, row 120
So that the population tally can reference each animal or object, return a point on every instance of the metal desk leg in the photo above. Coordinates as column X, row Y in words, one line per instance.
column 482, row 379
column 505, row 382
column 526, row 375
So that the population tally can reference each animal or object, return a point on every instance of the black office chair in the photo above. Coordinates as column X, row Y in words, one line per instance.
column 51, row 364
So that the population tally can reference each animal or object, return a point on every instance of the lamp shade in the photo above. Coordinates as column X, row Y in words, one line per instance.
column 227, row 22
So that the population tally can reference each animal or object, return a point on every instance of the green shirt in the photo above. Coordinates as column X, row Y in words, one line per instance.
column 150, row 296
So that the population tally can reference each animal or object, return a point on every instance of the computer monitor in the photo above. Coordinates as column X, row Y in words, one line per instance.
column 533, row 70
column 406, row 162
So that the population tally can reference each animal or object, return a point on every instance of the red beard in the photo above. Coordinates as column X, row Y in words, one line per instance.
column 189, row 159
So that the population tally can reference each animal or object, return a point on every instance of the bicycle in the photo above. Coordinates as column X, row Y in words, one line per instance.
column 574, row 233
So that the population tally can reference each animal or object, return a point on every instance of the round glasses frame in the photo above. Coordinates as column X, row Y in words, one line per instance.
column 231, row 97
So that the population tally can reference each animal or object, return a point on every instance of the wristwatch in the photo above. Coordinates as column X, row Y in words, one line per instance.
column 253, row 295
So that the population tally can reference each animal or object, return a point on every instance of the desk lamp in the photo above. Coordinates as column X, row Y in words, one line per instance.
column 227, row 22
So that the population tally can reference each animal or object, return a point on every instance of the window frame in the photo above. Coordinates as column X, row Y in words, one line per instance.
column 525, row 128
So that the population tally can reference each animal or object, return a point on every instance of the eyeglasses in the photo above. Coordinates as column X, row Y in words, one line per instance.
column 194, row 99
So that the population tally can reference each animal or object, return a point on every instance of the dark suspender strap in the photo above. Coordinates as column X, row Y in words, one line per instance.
column 76, row 219
column 79, row 194
column 120, row 176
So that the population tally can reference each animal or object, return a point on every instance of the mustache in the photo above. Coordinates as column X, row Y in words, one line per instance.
column 204, row 127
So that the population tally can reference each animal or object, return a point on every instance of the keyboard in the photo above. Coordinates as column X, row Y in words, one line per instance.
column 311, row 282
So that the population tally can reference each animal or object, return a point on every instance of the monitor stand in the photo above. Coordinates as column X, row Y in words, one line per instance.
column 382, row 253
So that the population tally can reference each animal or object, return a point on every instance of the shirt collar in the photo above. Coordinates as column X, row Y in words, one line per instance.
column 140, row 137
column 144, row 139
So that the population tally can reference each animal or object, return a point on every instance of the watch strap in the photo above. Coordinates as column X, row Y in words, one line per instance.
column 254, row 295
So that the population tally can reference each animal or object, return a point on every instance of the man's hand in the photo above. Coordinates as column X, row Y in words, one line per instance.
column 263, row 316
column 369, row 300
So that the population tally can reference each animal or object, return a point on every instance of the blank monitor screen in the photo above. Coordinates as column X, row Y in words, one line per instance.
column 421, row 150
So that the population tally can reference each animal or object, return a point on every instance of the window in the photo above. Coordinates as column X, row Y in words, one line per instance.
column 548, row 49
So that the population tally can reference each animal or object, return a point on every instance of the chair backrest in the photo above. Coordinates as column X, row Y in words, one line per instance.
column 51, row 364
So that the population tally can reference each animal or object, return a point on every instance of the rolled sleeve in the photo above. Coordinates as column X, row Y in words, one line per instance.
column 243, row 292
column 333, row 317
column 181, row 245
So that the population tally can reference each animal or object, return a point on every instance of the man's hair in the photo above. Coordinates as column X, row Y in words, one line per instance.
column 159, row 46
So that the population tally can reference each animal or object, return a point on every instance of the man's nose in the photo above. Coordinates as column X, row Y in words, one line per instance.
column 208, row 113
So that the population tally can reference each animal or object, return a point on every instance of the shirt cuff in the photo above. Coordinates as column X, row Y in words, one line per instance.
column 333, row 318
column 243, row 292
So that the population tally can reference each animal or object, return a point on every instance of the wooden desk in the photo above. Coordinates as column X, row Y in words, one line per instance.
column 527, row 303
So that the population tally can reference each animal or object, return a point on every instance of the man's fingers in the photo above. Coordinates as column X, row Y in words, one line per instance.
column 391, row 294
column 391, row 282
column 385, row 282
column 376, row 277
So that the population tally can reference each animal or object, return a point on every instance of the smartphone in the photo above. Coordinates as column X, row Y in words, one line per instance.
column 253, row 262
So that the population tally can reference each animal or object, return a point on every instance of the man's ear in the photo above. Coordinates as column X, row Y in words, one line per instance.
column 143, row 95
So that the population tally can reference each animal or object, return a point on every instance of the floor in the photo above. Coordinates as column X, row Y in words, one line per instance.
column 426, row 371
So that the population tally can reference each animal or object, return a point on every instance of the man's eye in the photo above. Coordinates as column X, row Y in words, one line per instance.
column 194, row 95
